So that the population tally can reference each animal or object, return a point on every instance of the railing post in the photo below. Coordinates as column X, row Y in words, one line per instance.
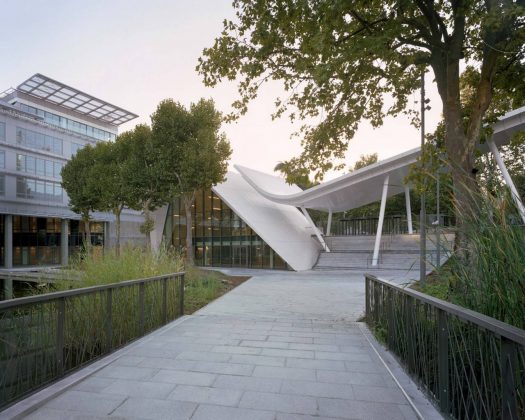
column 376, row 304
column 509, row 407
column 390, row 317
column 165, row 300
column 109, row 319
column 61, row 315
column 409, row 313
column 443, row 357
column 181, row 295
column 367, row 298
column 141, row 307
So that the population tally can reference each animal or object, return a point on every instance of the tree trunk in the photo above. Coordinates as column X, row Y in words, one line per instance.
column 188, row 200
column 87, row 232
column 147, row 219
column 118, row 211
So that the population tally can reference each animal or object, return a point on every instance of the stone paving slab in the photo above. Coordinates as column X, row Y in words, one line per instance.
column 281, row 346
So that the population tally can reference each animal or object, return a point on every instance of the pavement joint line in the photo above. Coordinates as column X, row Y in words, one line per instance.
column 36, row 400
column 368, row 335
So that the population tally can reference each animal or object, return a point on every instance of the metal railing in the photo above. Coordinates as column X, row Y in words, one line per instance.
column 44, row 337
column 472, row 365
column 392, row 225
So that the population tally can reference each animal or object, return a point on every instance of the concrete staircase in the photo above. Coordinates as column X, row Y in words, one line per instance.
column 397, row 252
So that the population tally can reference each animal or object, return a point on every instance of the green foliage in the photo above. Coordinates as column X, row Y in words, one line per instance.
column 80, row 182
column 339, row 60
column 202, row 287
column 192, row 154
column 132, row 263
column 365, row 160
column 294, row 175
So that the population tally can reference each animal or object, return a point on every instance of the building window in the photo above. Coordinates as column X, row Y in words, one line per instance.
column 2, row 184
column 75, row 147
column 68, row 124
column 38, row 141
column 220, row 236
column 37, row 166
column 2, row 131
column 38, row 190
column 2, row 159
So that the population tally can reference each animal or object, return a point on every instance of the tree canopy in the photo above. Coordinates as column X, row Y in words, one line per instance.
column 341, row 62
column 192, row 152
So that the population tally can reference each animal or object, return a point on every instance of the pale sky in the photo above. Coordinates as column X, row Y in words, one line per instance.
column 134, row 53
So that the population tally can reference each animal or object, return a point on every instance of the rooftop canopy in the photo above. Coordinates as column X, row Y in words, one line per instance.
column 57, row 93
column 363, row 186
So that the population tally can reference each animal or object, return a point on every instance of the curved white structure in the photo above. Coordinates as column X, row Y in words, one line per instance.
column 282, row 227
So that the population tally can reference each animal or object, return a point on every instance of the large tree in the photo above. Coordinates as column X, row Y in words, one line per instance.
column 147, row 187
column 193, row 154
column 82, row 187
column 341, row 60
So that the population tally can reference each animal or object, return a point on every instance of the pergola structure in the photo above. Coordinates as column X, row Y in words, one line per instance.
column 361, row 187
column 60, row 94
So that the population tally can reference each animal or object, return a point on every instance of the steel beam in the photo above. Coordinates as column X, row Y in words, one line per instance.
column 375, row 257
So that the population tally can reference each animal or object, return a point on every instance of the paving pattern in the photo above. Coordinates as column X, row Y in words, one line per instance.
column 282, row 346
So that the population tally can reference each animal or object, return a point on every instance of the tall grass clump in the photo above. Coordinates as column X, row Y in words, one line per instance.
column 132, row 263
column 490, row 278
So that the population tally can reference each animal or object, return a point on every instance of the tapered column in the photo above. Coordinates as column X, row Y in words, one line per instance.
column 507, row 178
column 329, row 224
column 64, row 242
column 380, row 222
column 316, row 231
column 409, row 210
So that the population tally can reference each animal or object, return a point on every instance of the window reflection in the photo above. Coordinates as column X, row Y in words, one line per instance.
column 220, row 236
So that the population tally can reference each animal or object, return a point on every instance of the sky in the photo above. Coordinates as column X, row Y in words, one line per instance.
column 135, row 53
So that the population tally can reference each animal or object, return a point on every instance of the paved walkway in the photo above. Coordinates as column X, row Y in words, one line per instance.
column 282, row 346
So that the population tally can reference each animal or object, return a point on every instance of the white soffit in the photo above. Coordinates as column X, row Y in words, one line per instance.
column 349, row 191
column 282, row 227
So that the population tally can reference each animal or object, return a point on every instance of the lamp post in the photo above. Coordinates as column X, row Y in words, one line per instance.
column 422, row 213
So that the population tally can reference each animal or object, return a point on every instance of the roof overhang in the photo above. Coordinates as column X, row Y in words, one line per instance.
column 363, row 186
column 62, row 95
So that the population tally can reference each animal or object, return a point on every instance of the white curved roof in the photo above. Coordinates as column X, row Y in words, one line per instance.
column 363, row 186
column 349, row 191
column 282, row 227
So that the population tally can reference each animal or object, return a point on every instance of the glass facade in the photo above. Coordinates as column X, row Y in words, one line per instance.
column 68, row 124
column 36, row 240
column 38, row 190
column 220, row 237
column 36, row 166
column 2, row 131
column 38, row 141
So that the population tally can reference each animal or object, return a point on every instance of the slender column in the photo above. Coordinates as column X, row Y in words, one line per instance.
column 8, row 241
column 107, row 236
column 507, row 178
column 64, row 242
column 380, row 222
column 329, row 224
column 409, row 210
column 316, row 231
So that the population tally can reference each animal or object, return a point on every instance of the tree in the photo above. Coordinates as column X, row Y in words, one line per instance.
column 82, row 186
column 193, row 154
column 365, row 160
column 340, row 60
column 143, row 174
column 294, row 175
column 110, row 175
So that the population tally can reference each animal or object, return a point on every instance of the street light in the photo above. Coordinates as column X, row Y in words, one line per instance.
column 422, row 212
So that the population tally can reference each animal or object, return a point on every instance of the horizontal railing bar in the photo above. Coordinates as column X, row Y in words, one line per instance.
column 498, row 327
column 11, row 303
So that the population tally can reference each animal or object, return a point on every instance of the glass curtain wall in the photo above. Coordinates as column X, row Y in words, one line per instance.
column 220, row 237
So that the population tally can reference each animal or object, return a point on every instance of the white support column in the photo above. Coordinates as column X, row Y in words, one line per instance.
column 507, row 178
column 316, row 231
column 380, row 222
column 329, row 224
column 409, row 210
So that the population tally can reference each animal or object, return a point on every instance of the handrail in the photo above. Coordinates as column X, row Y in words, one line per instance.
column 10, row 303
column 498, row 327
